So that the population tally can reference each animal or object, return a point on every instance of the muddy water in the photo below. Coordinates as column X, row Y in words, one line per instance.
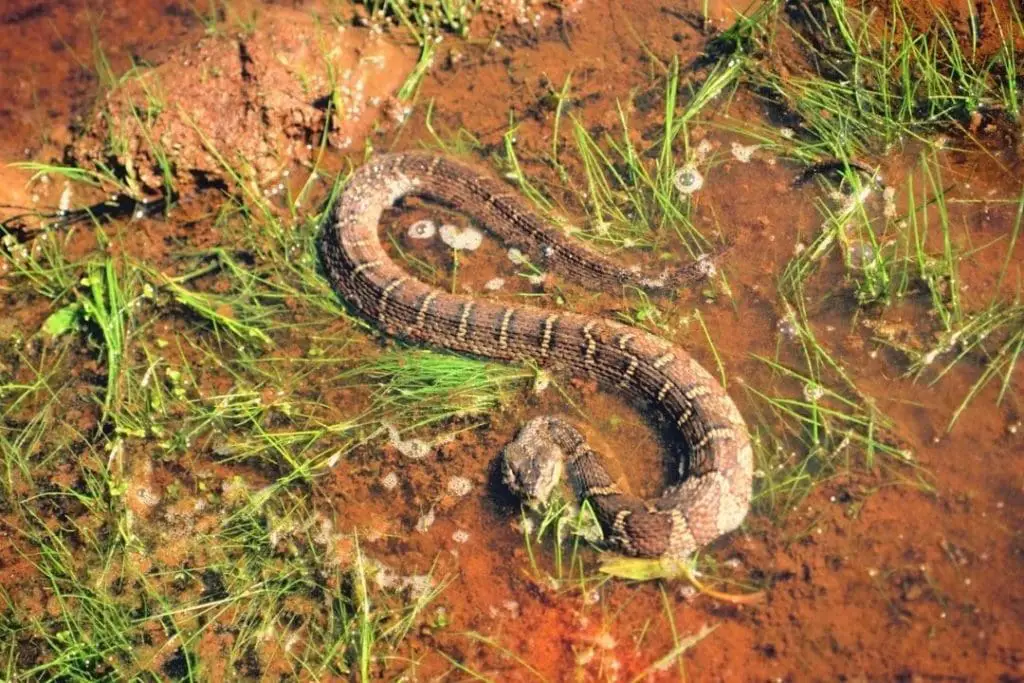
column 866, row 579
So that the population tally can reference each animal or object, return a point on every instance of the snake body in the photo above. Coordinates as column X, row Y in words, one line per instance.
column 712, row 495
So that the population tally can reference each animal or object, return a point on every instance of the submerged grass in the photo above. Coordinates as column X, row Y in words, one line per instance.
column 899, row 245
column 230, row 354
column 264, row 575
column 1001, row 322
column 426, row 19
column 425, row 387
column 816, row 422
column 635, row 197
column 560, row 525
column 873, row 81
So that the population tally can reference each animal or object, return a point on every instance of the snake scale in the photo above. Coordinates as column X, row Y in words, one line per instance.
column 712, row 494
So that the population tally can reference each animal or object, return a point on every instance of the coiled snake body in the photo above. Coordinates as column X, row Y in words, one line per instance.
column 713, row 493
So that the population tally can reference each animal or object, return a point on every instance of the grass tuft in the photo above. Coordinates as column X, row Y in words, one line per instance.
column 873, row 81
column 426, row 20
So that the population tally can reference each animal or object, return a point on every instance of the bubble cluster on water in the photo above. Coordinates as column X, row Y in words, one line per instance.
column 425, row 521
column 743, row 153
column 861, row 254
column 422, row 229
column 787, row 328
column 459, row 486
column 688, row 180
column 389, row 481
column 461, row 239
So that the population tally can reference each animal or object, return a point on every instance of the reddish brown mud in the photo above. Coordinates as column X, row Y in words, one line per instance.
column 874, row 576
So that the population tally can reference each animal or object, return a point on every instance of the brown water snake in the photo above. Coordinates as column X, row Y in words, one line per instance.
column 713, row 493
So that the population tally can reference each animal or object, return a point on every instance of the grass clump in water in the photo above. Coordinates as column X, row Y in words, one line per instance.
column 633, row 196
column 231, row 355
column 426, row 19
column 890, row 257
column 260, row 580
column 820, row 424
column 872, row 82
column 425, row 387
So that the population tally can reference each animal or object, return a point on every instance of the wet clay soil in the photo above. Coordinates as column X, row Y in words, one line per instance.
column 867, row 580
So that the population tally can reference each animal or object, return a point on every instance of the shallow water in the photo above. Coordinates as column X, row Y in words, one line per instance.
column 884, row 571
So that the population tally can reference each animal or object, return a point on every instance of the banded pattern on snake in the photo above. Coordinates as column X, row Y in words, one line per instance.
column 713, row 493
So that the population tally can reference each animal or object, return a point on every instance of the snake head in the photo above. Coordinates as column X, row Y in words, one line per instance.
column 532, row 464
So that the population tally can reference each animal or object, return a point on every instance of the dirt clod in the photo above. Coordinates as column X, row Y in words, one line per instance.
column 243, row 107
